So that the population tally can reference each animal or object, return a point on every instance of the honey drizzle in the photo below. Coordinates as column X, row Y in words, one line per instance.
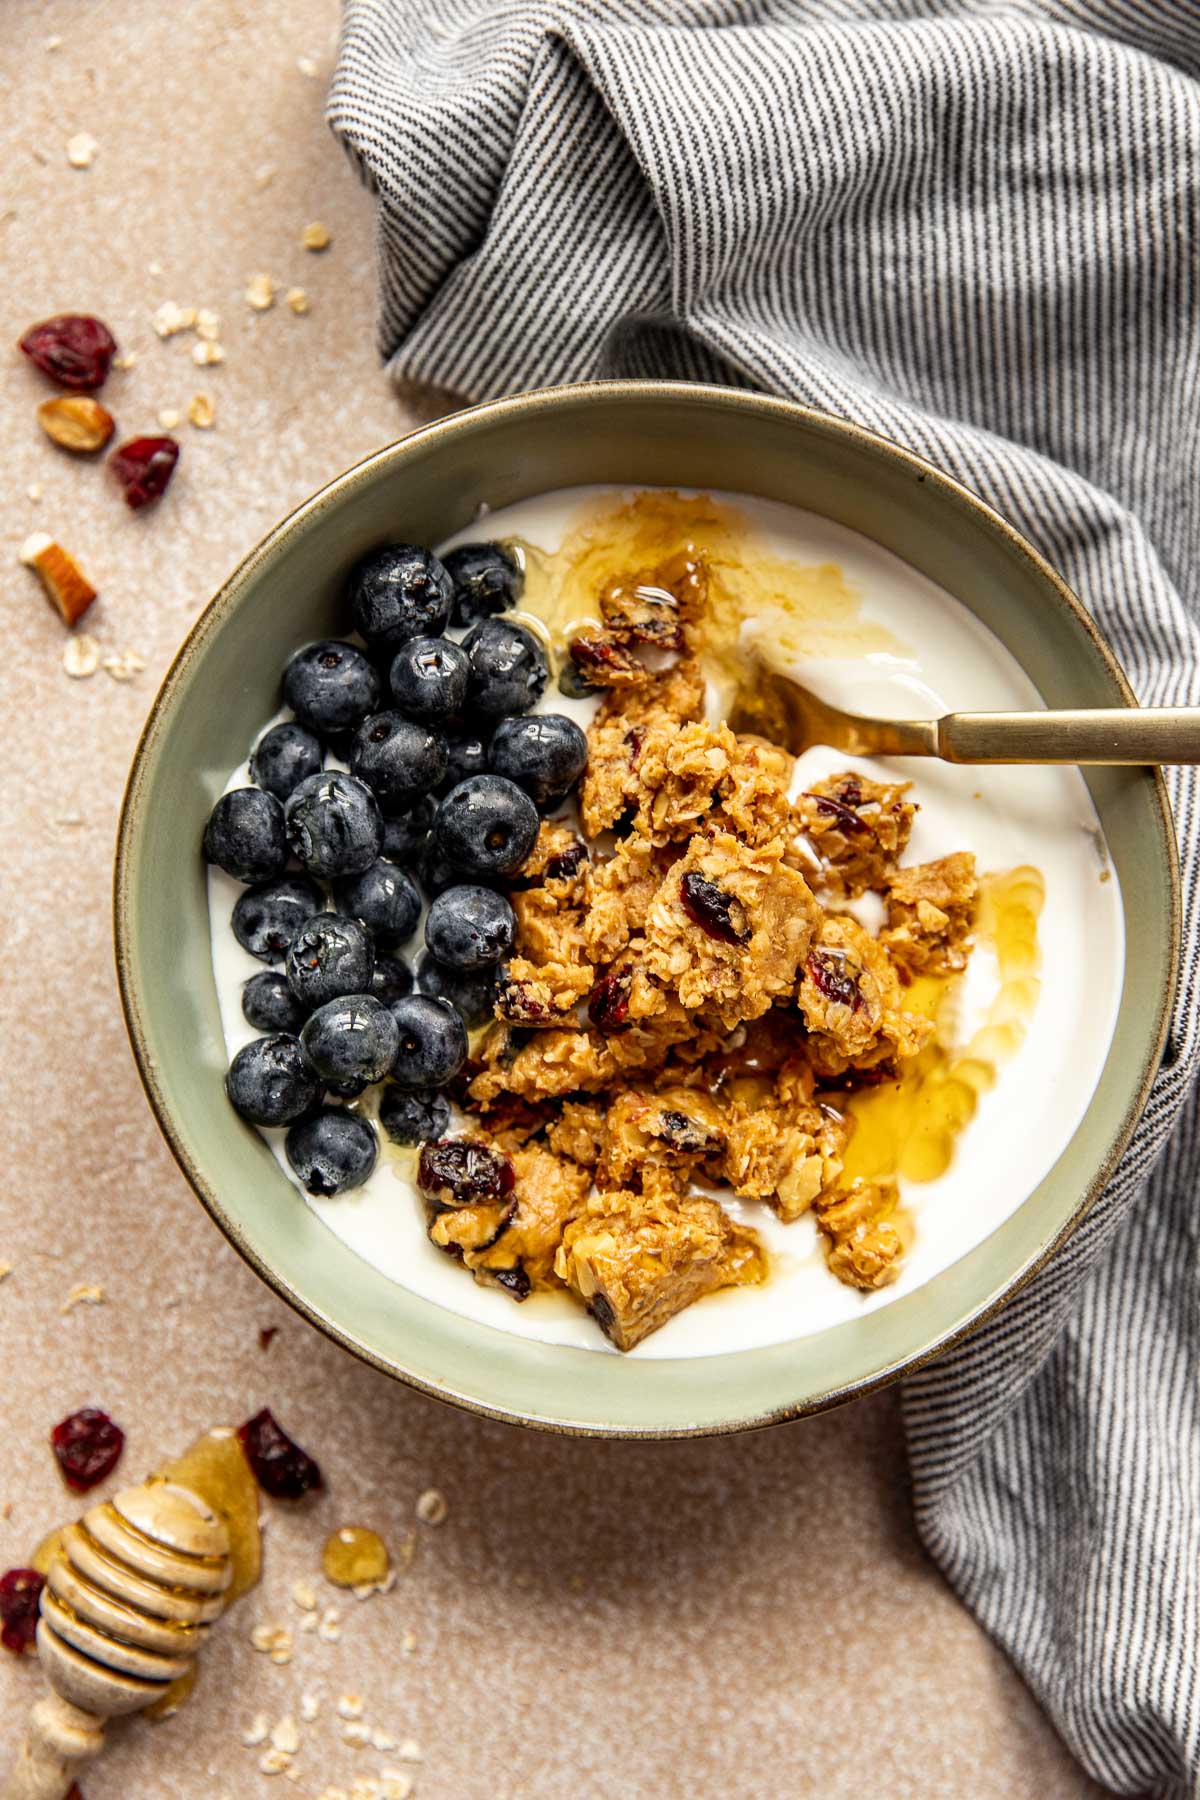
column 909, row 1128
column 215, row 1468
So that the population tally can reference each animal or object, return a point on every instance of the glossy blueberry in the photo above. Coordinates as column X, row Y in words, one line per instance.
column 470, row 928
column 405, row 833
column 544, row 753
column 400, row 592
column 471, row 994
column 270, row 1005
column 486, row 826
column 464, row 756
column 352, row 1039
column 330, row 686
column 331, row 1150
column 245, row 835
column 400, row 759
column 415, row 1116
column 385, row 898
column 434, row 873
column 487, row 579
column 433, row 1041
column 270, row 1081
column 267, row 918
column 428, row 678
column 284, row 756
column 330, row 956
column 508, row 668
column 392, row 979
column 334, row 824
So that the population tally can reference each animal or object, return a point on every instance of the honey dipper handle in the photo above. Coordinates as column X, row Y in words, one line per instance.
column 60, row 1741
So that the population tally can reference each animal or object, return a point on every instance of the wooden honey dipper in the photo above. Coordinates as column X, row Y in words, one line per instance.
column 131, row 1593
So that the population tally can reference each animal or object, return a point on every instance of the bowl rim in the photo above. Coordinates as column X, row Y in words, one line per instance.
column 461, row 423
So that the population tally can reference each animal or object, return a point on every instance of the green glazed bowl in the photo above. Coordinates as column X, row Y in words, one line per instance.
column 223, row 684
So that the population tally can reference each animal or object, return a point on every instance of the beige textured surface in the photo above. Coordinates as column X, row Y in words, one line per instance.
column 749, row 1617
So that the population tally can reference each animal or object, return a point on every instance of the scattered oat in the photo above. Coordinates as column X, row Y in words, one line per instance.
column 274, row 1762
column 127, row 360
column 201, row 412
column 54, row 43
column 396, row 1785
column 304, row 1594
column 285, row 1736
column 351, row 1706
column 356, row 1734
column 6, row 1270
column 168, row 417
column 410, row 1751
column 316, row 236
column 205, row 353
column 365, row 1788
column 260, row 293
column 383, row 1740
column 408, row 1550
column 309, row 1622
column 171, row 318
column 274, row 1641
column 154, row 268
column 310, row 1706
column 432, row 1507
column 297, row 299
column 264, row 175
column 333, row 1793
column 208, row 324
column 408, row 1643
column 307, row 67
column 81, row 656
column 81, row 150
column 330, row 1629
column 34, row 491
column 257, row 1731
column 123, row 665
column 84, row 1293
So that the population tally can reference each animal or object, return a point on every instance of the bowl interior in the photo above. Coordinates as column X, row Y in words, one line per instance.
column 224, row 684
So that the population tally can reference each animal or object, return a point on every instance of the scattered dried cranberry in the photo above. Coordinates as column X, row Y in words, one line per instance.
column 267, row 1335
column 144, row 466
column 841, row 811
column 831, row 977
column 88, row 1447
column 567, row 863
column 468, row 1173
column 709, row 907
column 73, row 349
column 280, row 1467
column 608, row 1006
column 20, row 1591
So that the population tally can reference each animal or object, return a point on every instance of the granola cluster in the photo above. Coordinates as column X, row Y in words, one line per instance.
column 690, row 1002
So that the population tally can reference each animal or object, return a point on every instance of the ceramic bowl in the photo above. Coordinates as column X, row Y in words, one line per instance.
column 223, row 684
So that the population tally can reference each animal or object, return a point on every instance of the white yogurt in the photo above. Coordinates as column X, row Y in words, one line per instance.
column 1007, row 816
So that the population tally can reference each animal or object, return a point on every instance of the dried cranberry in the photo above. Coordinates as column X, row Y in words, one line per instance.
column 608, row 1007
column 598, row 658
column 267, row 1335
column 516, row 1002
column 709, row 907
column 567, row 862
column 88, row 1447
column 280, row 1467
column 516, row 1281
column 836, row 809
column 688, row 1136
column 831, row 977
column 73, row 349
column 470, row 1173
column 20, row 1591
column 144, row 466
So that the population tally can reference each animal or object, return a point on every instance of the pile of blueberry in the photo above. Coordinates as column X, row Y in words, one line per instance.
column 448, row 773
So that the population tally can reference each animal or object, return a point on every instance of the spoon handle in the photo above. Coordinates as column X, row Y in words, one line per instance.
column 1167, row 734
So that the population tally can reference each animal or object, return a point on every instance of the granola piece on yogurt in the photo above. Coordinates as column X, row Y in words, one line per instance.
column 541, row 994
column 857, row 827
column 618, row 732
column 851, row 1001
column 549, row 1192
column 786, row 1150
column 540, row 1065
column 863, row 1232
column 677, row 1128
column 578, row 1132
column 931, row 908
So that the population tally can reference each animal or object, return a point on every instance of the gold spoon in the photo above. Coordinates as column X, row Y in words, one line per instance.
column 776, row 707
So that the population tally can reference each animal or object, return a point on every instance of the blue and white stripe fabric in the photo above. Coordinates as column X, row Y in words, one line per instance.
column 974, row 226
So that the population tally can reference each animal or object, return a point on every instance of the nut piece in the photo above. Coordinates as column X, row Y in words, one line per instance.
column 316, row 236
column 76, row 422
column 297, row 299
column 260, row 294
column 62, row 579
column 205, row 353
column 81, row 656
column 201, row 412
column 170, row 319
column 81, row 150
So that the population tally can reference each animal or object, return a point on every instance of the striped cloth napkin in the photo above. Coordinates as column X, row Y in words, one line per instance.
column 974, row 226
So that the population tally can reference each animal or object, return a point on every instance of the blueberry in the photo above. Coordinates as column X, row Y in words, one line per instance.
column 470, row 928
column 399, row 759
column 486, row 825
column 428, row 678
column 392, row 979
column 471, row 994
column 433, row 1041
column 404, row 834
column 267, row 918
column 544, row 753
column 331, row 1150
column 386, row 900
column 245, row 835
column 414, row 1117
column 270, row 1081
column 434, row 873
column 508, row 668
column 284, row 756
column 270, row 1005
column 400, row 592
column 333, row 824
column 330, row 686
column 331, row 956
column 351, row 1039
column 487, row 579
column 465, row 756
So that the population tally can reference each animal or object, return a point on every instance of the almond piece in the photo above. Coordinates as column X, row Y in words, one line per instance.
column 62, row 579
column 76, row 422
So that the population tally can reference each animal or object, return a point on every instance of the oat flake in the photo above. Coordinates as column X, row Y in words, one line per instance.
column 432, row 1507
column 84, row 1293
column 81, row 150
column 81, row 656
